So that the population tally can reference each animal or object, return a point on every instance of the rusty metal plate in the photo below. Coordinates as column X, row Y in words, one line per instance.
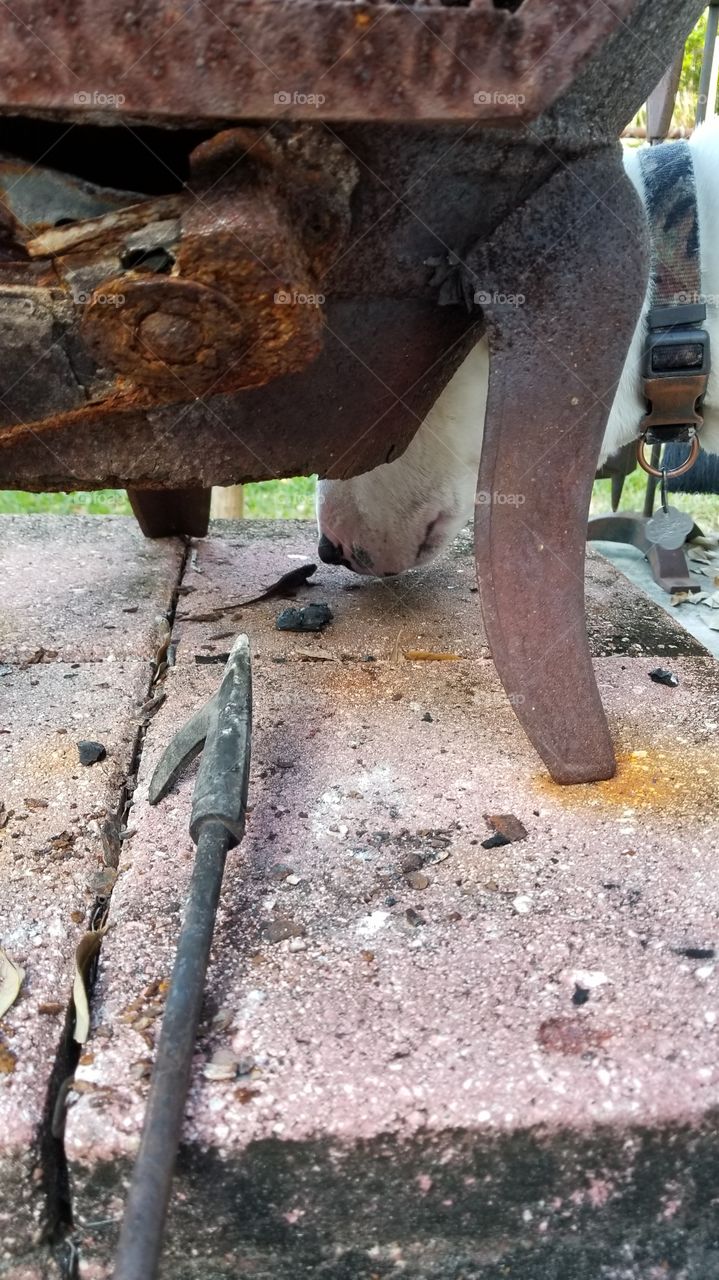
column 332, row 418
column 495, row 61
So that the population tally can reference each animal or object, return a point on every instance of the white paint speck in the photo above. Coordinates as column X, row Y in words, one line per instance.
column 373, row 923
column 522, row 904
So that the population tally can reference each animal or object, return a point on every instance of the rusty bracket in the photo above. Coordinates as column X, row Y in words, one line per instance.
column 157, row 301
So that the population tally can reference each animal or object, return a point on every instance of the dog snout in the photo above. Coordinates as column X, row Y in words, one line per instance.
column 328, row 552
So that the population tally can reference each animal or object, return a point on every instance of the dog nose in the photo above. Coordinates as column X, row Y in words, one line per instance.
column 328, row 552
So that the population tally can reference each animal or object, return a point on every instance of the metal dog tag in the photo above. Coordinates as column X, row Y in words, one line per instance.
column 669, row 528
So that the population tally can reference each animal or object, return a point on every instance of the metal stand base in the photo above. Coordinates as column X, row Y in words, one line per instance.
column 669, row 568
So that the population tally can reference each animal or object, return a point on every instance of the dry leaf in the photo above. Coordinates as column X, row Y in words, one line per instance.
column 426, row 655
column 698, row 555
column 315, row 655
column 7, row 1060
column 11, row 976
column 86, row 952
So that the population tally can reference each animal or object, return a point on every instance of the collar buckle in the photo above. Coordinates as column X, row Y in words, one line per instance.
column 676, row 373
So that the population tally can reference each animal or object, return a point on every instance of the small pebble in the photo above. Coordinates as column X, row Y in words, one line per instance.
column 417, row 880
column 280, row 871
column 412, row 862
column 507, row 826
column 280, row 928
column 90, row 752
column 313, row 617
column 661, row 676
column 496, row 841
column 222, row 1065
column 102, row 882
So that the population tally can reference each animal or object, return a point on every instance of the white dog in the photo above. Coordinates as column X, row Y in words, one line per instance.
column 404, row 513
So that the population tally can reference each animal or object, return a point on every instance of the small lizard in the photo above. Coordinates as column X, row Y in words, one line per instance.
column 288, row 582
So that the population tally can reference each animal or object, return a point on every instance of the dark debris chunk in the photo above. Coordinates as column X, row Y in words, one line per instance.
column 312, row 617
column 661, row 676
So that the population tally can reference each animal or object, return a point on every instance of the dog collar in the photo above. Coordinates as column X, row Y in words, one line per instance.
column 676, row 354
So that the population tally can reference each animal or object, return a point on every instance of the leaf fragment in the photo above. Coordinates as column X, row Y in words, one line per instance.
column 316, row 655
column 427, row 655
column 85, row 956
column 11, row 980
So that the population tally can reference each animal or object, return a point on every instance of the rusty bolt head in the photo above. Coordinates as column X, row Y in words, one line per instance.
column 173, row 338
column 166, row 335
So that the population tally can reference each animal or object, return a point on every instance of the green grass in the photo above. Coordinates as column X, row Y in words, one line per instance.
column 103, row 502
column 271, row 500
column 281, row 499
column 295, row 499
column 703, row 507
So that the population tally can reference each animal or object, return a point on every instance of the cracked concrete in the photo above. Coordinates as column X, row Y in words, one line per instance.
column 439, row 1081
column 81, row 605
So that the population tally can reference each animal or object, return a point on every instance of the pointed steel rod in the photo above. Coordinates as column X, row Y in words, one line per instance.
column 216, row 825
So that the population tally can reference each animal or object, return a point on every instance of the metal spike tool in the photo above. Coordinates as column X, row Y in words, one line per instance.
column 217, row 823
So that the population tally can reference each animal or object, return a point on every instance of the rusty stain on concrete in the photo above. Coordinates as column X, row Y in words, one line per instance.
column 674, row 781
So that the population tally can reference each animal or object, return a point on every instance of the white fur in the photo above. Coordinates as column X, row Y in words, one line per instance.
column 403, row 513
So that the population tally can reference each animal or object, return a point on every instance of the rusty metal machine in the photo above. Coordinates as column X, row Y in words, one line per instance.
column 245, row 240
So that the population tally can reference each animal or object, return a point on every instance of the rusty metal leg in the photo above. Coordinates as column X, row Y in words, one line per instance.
column 162, row 513
column 556, row 359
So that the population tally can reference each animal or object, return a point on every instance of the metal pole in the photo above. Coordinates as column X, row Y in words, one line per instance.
column 217, row 823
column 140, row 1244
column 709, row 76
column 651, row 488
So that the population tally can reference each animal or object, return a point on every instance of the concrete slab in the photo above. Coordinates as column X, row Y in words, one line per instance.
column 450, row 1061
column 51, row 851
column 81, row 588
column 83, row 610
